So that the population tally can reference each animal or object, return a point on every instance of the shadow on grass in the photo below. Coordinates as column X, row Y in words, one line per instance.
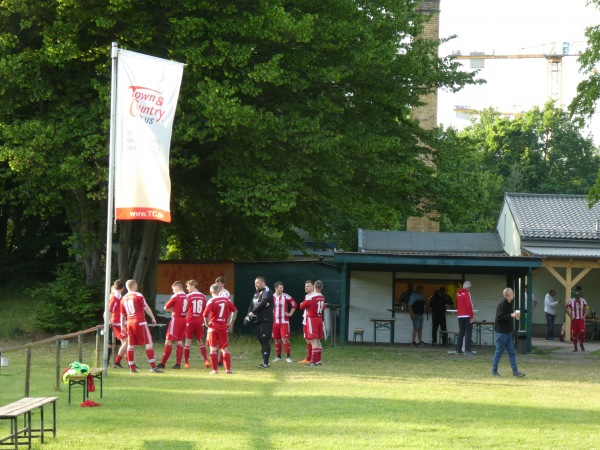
column 179, row 445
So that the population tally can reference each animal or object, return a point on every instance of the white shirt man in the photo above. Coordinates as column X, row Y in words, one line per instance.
column 550, row 310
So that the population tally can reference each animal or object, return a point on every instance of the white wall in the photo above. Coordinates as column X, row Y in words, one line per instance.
column 371, row 295
column 507, row 229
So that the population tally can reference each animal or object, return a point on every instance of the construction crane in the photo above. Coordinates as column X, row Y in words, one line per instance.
column 465, row 112
column 554, row 66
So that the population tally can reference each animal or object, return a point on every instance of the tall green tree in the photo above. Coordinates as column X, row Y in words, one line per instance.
column 542, row 151
column 291, row 116
column 468, row 192
column 585, row 103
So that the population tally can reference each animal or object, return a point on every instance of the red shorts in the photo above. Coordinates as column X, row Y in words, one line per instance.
column 314, row 328
column 176, row 329
column 139, row 334
column 218, row 339
column 195, row 329
column 118, row 332
column 281, row 330
column 578, row 330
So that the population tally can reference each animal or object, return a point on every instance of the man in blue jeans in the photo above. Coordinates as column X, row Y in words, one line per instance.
column 550, row 310
column 503, row 326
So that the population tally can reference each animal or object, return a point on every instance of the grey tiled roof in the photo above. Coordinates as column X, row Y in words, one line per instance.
column 553, row 216
column 563, row 252
column 422, row 242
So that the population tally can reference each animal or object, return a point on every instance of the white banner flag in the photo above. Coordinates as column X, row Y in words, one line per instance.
column 147, row 92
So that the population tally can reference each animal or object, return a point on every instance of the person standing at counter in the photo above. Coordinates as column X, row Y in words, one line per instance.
column 464, row 312
column 416, row 307
column 439, row 303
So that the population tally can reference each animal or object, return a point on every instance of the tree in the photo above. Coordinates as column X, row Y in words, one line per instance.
column 543, row 151
column 584, row 105
column 323, row 107
column 291, row 115
column 468, row 192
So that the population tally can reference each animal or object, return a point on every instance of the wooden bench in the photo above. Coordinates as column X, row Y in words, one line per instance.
column 383, row 322
column 452, row 336
column 24, row 407
column 81, row 380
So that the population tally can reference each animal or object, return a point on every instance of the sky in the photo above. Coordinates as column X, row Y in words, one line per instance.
column 511, row 27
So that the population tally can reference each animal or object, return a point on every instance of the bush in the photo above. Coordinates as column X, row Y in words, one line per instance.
column 67, row 304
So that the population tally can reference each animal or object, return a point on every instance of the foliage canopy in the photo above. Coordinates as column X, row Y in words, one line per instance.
column 291, row 116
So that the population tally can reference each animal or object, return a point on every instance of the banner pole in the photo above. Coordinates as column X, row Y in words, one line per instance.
column 111, row 191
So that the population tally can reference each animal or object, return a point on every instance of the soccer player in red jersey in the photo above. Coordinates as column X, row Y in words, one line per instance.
column 223, row 293
column 194, row 322
column 577, row 309
column 314, row 307
column 283, row 308
column 220, row 281
column 309, row 289
column 219, row 314
column 115, row 322
column 133, row 306
column 177, row 306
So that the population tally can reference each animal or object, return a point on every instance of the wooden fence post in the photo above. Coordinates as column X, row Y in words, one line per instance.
column 80, row 345
column 27, row 371
column 57, row 384
column 97, row 355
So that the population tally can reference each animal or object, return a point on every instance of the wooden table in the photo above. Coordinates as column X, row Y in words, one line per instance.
column 594, row 333
column 383, row 322
column 480, row 326
column 81, row 380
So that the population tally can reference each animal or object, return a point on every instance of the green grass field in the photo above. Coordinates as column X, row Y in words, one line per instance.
column 17, row 312
column 361, row 397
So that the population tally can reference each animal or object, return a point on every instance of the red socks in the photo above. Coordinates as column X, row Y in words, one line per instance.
column 316, row 355
column 178, row 354
column 227, row 360
column 166, row 354
column 150, row 355
column 214, row 361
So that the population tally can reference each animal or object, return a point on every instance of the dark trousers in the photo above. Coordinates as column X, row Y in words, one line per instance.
column 438, row 321
column 465, row 331
column 549, row 325
column 264, row 331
